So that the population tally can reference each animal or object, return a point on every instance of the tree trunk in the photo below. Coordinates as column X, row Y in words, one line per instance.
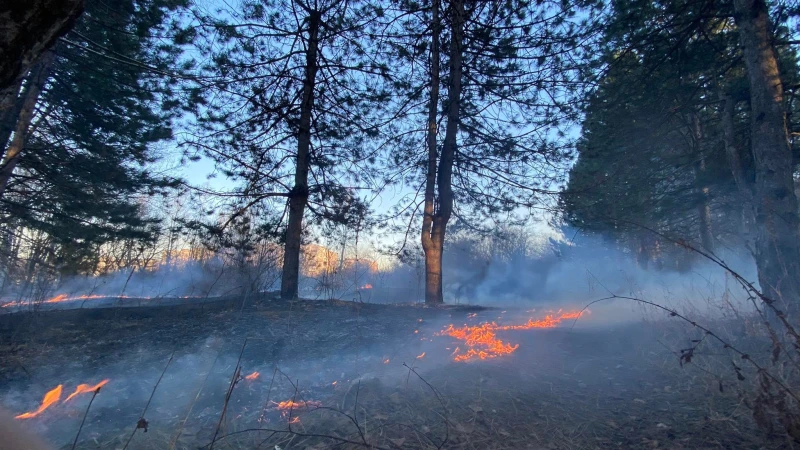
column 9, row 116
column 433, row 255
column 704, row 206
column 33, row 90
column 734, row 157
column 298, row 198
column 777, row 246
column 29, row 28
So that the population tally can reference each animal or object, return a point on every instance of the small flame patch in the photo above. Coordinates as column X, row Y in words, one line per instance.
column 84, row 388
column 50, row 398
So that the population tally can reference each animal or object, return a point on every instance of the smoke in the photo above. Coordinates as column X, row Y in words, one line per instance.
column 551, row 273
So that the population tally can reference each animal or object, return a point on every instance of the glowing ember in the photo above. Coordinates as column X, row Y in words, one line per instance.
column 295, row 420
column 84, row 388
column 252, row 376
column 291, row 404
column 421, row 356
column 49, row 398
column 386, row 361
column 366, row 286
column 482, row 342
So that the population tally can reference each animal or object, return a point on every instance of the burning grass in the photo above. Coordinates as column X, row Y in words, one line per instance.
column 323, row 374
column 482, row 342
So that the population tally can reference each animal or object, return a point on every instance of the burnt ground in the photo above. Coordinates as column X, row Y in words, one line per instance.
column 357, row 366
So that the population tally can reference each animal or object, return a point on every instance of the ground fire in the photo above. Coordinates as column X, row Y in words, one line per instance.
column 50, row 398
column 291, row 404
column 54, row 395
column 482, row 342
column 85, row 388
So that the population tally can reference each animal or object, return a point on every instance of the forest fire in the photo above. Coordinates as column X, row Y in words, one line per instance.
column 49, row 399
column 483, row 343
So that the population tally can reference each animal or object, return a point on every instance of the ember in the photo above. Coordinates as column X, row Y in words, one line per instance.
column 482, row 342
column 291, row 404
column 252, row 376
column 366, row 286
column 84, row 388
column 51, row 397
column 421, row 356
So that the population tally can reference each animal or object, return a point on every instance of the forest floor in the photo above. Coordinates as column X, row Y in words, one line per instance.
column 360, row 376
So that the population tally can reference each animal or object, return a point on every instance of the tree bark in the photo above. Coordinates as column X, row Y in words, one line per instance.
column 777, row 243
column 28, row 29
column 433, row 256
column 734, row 157
column 9, row 116
column 36, row 81
column 704, row 206
column 298, row 198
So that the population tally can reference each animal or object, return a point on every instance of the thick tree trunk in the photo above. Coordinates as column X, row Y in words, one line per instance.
column 33, row 89
column 28, row 29
column 298, row 198
column 433, row 254
column 777, row 246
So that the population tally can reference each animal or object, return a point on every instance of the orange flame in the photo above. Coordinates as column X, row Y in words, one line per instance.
column 482, row 341
column 252, row 376
column 421, row 356
column 65, row 298
column 291, row 404
column 295, row 419
column 51, row 397
column 83, row 388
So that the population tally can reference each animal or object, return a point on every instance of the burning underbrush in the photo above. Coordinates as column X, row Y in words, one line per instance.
column 327, row 374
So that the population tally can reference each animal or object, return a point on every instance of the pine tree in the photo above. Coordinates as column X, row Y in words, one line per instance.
column 498, row 80
column 664, row 139
column 78, row 153
column 290, row 113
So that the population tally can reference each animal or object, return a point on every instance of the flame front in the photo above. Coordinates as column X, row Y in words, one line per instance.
column 51, row 397
column 83, row 388
column 482, row 341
